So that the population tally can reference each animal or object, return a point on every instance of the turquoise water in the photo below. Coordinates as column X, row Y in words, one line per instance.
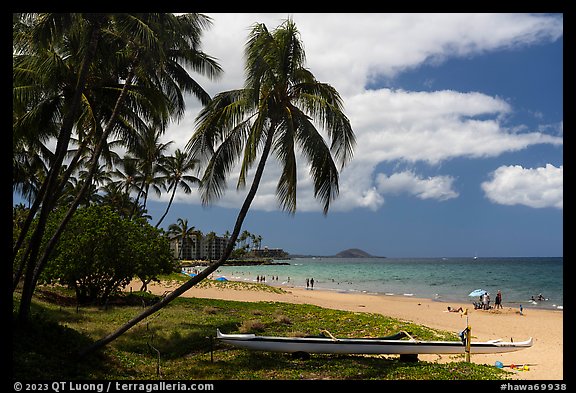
column 442, row 279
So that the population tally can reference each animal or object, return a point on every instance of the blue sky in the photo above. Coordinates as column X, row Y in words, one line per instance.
column 459, row 126
column 459, row 120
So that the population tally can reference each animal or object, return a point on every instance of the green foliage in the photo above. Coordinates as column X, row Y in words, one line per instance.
column 100, row 252
column 19, row 213
column 83, row 79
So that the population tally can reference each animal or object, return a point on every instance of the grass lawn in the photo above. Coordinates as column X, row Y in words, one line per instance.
column 177, row 343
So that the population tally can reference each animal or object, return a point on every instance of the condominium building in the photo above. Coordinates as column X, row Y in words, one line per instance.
column 197, row 247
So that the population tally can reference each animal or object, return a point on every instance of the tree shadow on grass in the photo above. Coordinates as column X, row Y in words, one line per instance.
column 241, row 364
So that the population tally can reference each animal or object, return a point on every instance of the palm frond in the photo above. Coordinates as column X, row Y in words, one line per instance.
column 222, row 161
column 324, row 104
column 256, row 137
column 323, row 170
column 285, row 152
column 214, row 123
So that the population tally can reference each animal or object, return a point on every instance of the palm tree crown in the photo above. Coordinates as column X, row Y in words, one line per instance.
column 276, row 112
column 174, row 170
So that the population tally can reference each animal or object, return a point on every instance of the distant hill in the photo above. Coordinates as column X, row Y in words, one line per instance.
column 350, row 253
column 353, row 253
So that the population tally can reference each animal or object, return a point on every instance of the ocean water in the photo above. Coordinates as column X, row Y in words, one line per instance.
column 441, row 279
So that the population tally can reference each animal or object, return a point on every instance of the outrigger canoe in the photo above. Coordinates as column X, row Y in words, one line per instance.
column 386, row 345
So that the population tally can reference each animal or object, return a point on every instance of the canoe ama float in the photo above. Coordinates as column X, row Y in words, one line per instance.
column 394, row 345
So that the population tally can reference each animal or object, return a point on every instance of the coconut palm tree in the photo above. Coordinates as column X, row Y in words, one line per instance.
column 114, row 196
column 174, row 168
column 50, row 78
column 99, row 179
column 137, row 64
column 210, row 239
column 149, row 153
column 273, row 113
column 258, row 242
column 242, row 238
column 125, row 174
column 181, row 231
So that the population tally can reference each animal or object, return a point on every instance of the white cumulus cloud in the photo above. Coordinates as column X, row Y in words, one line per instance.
column 534, row 187
column 437, row 187
column 392, row 125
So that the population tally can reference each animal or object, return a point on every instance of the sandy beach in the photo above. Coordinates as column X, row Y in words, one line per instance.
column 544, row 358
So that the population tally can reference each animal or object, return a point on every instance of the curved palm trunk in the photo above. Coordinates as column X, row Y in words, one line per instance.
column 88, row 181
column 29, row 218
column 180, row 253
column 35, row 206
column 206, row 272
column 168, row 207
column 50, row 193
column 93, row 166
column 140, row 193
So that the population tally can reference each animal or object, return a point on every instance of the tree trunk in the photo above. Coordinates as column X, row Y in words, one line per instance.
column 169, row 204
column 35, row 268
column 204, row 273
column 51, row 193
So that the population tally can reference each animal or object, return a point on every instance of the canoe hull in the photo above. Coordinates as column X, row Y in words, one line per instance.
column 364, row 345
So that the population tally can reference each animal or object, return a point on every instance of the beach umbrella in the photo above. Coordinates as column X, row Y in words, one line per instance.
column 188, row 274
column 477, row 292
column 222, row 279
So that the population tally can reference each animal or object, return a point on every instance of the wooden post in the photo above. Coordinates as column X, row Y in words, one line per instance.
column 468, row 337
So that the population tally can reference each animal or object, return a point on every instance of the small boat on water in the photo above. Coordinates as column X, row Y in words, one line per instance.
column 384, row 345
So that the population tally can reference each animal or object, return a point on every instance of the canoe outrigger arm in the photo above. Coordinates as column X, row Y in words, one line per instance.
column 329, row 334
column 337, row 339
column 408, row 335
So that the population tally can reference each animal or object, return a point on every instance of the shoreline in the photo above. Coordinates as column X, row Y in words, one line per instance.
column 513, row 304
column 443, row 284
column 527, row 305
column 545, row 357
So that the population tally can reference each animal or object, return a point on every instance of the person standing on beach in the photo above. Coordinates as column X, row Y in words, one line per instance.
column 312, row 283
column 498, row 301
column 307, row 283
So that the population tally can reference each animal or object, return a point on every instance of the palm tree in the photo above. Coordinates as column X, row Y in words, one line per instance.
column 115, row 197
column 100, row 178
column 242, row 238
column 272, row 114
column 198, row 236
column 50, row 79
column 137, row 67
column 259, row 241
column 174, row 169
column 210, row 239
column 28, row 170
column 126, row 173
column 181, row 231
column 43, row 70
column 226, row 237
column 149, row 153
